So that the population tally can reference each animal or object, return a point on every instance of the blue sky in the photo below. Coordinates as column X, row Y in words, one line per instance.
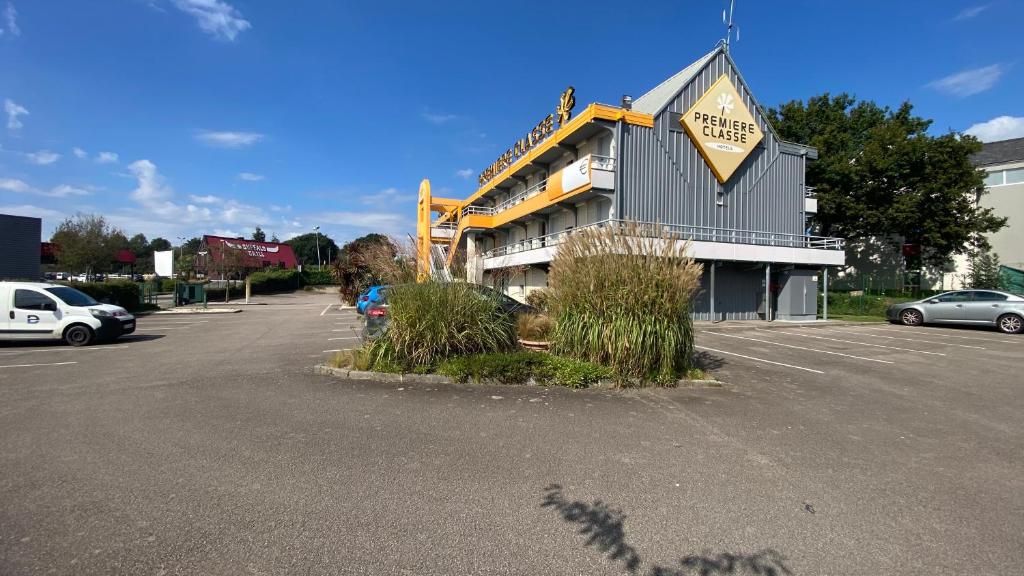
column 182, row 117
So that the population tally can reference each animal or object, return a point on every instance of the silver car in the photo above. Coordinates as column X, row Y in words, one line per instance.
column 1003, row 310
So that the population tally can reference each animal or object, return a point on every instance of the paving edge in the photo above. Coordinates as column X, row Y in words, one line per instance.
column 438, row 379
column 195, row 311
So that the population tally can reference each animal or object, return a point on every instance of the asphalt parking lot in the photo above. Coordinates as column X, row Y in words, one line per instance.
column 203, row 444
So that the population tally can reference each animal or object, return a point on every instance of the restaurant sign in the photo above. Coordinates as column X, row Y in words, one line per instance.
column 540, row 132
column 722, row 128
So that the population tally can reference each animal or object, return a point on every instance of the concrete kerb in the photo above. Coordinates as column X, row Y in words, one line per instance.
column 438, row 379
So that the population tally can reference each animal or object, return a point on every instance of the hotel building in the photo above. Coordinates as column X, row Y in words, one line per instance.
column 695, row 154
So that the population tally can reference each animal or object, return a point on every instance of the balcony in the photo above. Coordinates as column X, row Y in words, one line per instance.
column 707, row 244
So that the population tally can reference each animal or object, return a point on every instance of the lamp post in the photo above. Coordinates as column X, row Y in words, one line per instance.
column 181, row 252
column 317, row 230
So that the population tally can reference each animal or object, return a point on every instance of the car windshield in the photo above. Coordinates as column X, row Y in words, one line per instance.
column 72, row 297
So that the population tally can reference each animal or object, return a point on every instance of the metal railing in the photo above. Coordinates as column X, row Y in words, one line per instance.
column 528, row 193
column 602, row 162
column 682, row 232
column 447, row 224
column 485, row 210
column 809, row 192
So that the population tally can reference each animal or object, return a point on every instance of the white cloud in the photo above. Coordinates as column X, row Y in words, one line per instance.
column 42, row 158
column 250, row 177
column 48, row 215
column 226, row 233
column 79, row 153
column 465, row 173
column 12, row 185
column 969, row 82
column 228, row 139
column 970, row 12
column 107, row 158
column 388, row 197
column 436, row 118
column 386, row 222
column 151, row 191
column 22, row 187
column 204, row 199
column 11, row 19
column 14, row 110
column 998, row 128
column 215, row 17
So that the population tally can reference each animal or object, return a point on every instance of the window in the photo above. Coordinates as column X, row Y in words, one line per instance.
column 1015, row 176
column 994, row 178
column 72, row 297
column 982, row 296
column 32, row 300
column 955, row 297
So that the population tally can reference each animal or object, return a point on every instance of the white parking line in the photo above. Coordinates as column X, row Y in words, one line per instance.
column 758, row 359
column 32, row 365
column 63, row 349
column 335, row 350
column 802, row 348
column 345, row 338
column 942, row 332
column 907, row 339
column 145, row 328
column 326, row 309
column 858, row 343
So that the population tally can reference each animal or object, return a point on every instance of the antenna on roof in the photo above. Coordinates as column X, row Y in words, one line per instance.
column 729, row 25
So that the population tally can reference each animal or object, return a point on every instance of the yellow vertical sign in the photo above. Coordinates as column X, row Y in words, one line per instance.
column 722, row 128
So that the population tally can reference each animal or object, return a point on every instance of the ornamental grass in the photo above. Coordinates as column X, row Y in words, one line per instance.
column 432, row 321
column 621, row 297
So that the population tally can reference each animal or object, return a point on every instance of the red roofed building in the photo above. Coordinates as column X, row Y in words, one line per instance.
column 251, row 255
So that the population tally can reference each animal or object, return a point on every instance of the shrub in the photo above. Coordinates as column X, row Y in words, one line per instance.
column 433, row 321
column 621, row 297
column 120, row 293
column 314, row 277
column 533, row 327
column 539, row 299
column 519, row 367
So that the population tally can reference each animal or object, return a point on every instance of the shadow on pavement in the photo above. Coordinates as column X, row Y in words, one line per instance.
column 707, row 361
column 604, row 528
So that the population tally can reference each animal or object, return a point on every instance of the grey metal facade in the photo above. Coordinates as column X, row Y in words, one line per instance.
column 20, row 239
column 665, row 179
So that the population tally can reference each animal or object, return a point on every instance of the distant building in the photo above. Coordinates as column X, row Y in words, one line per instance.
column 20, row 247
column 1003, row 163
column 218, row 254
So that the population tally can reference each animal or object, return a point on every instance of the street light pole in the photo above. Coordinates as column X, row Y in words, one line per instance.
column 317, row 229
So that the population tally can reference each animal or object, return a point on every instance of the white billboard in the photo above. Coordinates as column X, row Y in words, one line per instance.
column 163, row 262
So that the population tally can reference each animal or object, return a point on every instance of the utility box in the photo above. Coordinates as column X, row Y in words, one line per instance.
column 798, row 295
column 191, row 292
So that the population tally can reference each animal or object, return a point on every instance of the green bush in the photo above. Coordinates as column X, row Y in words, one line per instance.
column 433, row 321
column 621, row 297
column 318, row 277
column 274, row 280
column 519, row 367
column 120, row 293
column 847, row 304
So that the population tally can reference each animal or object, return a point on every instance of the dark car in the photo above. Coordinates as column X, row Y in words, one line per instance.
column 377, row 312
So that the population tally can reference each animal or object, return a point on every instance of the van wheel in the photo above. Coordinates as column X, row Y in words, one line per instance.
column 78, row 335
column 1010, row 324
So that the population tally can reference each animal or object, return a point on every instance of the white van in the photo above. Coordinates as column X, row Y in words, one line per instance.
column 36, row 310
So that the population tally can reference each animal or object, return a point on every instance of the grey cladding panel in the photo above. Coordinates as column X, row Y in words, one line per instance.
column 665, row 179
column 19, row 247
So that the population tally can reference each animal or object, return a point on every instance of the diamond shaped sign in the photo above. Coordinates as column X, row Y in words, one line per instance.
column 722, row 128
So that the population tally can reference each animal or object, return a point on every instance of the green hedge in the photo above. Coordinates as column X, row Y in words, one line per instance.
column 120, row 293
column 318, row 278
column 843, row 303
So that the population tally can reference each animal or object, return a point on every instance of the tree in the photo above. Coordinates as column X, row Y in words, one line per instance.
column 87, row 243
column 139, row 245
column 305, row 247
column 159, row 245
column 192, row 245
column 259, row 235
column 370, row 260
column 274, row 239
column 983, row 270
column 880, row 174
